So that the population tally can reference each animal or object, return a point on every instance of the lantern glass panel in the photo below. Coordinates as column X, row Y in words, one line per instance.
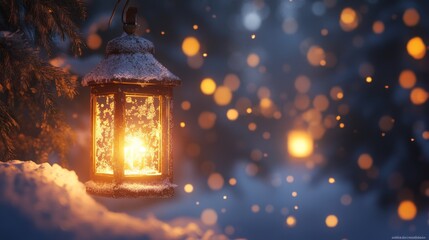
column 104, row 133
column 143, row 132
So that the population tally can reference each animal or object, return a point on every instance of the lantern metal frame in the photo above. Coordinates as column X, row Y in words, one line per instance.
column 120, row 91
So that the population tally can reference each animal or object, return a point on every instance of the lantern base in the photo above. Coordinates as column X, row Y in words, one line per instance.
column 163, row 189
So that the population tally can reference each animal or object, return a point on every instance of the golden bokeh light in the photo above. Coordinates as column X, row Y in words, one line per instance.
column 368, row 79
column 348, row 19
column 336, row 93
column 190, row 46
column 208, row 86
column 232, row 181
column 209, row 217
column 232, row 82
column 418, row 96
column 255, row 208
column 263, row 92
column 321, row 103
column 215, row 181
column 206, row 120
column 252, row 126
column 232, row 114
column 316, row 56
column 265, row 103
column 302, row 101
column 407, row 210
column 331, row 221
column 186, row 105
column 331, row 180
column 416, row 48
column 407, row 79
column 378, row 27
column 411, row 17
column 365, row 161
column 188, row 188
column 299, row 143
column 253, row 60
column 291, row 221
column 94, row 41
column 302, row 84
column 222, row 96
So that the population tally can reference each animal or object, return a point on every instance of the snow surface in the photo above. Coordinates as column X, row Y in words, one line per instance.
column 48, row 202
column 130, row 60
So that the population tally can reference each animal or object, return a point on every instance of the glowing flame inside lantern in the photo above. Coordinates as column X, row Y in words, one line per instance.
column 299, row 144
column 134, row 152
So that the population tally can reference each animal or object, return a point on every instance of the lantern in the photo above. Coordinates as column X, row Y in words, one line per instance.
column 131, row 120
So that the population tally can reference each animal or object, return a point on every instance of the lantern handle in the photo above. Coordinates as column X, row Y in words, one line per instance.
column 130, row 23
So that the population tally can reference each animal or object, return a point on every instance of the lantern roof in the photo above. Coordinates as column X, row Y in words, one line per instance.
column 129, row 59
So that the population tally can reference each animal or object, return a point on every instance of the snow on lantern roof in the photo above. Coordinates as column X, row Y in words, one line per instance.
column 129, row 59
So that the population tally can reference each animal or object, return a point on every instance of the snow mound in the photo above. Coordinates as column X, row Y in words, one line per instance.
column 48, row 202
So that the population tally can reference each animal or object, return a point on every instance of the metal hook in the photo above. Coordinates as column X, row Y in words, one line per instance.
column 114, row 10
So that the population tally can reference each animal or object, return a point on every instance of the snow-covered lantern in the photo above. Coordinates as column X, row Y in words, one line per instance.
column 131, row 120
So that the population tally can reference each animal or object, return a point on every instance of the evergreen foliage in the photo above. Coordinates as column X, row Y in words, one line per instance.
column 31, row 125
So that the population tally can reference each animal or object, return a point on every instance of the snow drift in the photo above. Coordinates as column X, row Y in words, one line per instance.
column 48, row 202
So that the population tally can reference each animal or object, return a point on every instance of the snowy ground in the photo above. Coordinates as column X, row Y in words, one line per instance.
column 49, row 202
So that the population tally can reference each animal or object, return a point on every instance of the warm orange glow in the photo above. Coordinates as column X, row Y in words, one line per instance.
column 186, row 105
column 299, row 144
column 222, row 96
column 232, row 114
column 206, row 120
column 368, row 79
column 316, row 56
column 331, row 180
column 94, row 41
column 378, row 27
column 188, row 188
column 321, row 103
column 416, row 48
column 302, row 84
column 411, row 17
column 252, row 126
column 138, row 157
column 291, row 221
column 255, row 208
column 215, row 181
column 407, row 79
column 232, row 181
column 232, row 82
column 365, row 161
column 418, row 96
column 208, row 86
column 253, row 60
column 348, row 19
column 331, row 221
column 265, row 103
column 190, row 46
column 336, row 93
column 209, row 217
column 407, row 210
